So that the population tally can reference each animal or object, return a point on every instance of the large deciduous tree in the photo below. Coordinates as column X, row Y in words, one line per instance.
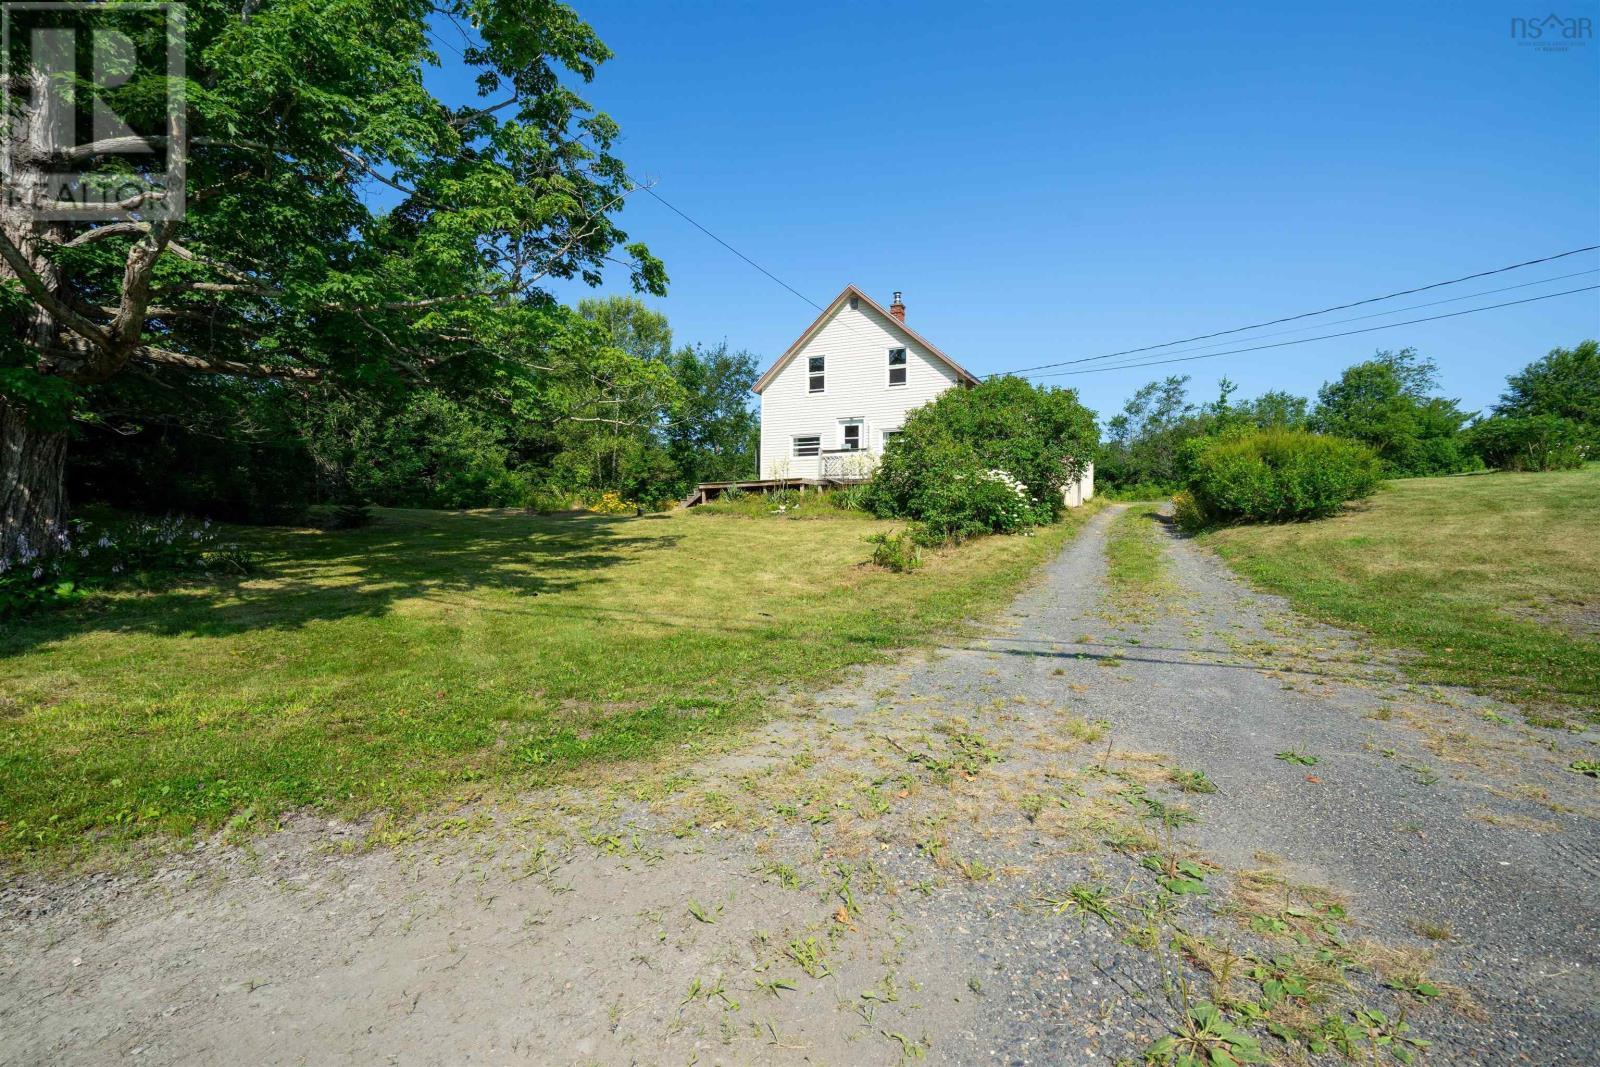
column 1386, row 403
column 345, row 228
column 1565, row 383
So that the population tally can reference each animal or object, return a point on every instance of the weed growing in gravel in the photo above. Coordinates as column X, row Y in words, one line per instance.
column 1205, row 1036
column 1086, row 899
column 1192, row 781
column 1434, row 930
column 809, row 955
column 1299, row 758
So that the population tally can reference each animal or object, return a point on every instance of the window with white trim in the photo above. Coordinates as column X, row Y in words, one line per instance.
column 808, row 445
column 890, row 435
column 850, row 436
column 814, row 368
column 897, row 366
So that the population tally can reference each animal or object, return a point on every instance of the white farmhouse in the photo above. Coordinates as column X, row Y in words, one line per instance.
column 843, row 390
column 844, row 387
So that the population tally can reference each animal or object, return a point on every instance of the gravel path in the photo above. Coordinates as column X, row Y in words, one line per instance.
column 1419, row 809
column 868, row 878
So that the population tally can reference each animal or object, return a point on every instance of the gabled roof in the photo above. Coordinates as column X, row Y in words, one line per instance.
column 894, row 324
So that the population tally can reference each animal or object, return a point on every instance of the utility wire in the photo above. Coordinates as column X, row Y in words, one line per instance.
column 683, row 215
column 1398, row 310
column 1324, row 337
column 1304, row 314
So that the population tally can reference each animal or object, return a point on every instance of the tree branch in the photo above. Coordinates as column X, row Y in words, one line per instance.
column 58, row 309
column 166, row 358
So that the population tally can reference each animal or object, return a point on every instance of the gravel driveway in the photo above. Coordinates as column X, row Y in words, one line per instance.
column 967, row 856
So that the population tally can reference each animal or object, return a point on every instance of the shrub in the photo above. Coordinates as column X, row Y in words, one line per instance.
column 82, row 556
column 898, row 552
column 1530, row 442
column 1278, row 475
column 990, row 459
column 1187, row 512
column 609, row 502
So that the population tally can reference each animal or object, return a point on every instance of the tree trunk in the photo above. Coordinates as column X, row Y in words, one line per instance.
column 32, row 482
column 32, row 458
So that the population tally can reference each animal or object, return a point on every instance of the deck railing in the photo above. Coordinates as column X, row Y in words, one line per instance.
column 845, row 465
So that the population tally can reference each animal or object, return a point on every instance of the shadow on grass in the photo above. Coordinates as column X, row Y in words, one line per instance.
column 309, row 576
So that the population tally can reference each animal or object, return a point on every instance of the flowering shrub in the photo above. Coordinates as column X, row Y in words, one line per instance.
column 611, row 503
column 80, row 556
column 990, row 459
column 971, row 503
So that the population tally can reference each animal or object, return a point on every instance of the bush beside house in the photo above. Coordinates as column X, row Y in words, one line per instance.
column 990, row 459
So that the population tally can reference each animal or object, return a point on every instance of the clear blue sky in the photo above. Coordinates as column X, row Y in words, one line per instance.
column 1047, row 181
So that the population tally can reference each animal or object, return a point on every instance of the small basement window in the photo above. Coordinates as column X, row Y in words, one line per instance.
column 810, row 445
column 897, row 366
column 852, row 437
column 815, row 368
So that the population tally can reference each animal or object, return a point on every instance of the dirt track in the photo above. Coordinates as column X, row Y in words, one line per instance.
column 883, row 873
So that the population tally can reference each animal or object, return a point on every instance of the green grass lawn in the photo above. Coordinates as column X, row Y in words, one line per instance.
column 380, row 667
column 1494, row 580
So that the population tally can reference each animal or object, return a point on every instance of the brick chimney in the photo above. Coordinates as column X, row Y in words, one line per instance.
column 897, row 307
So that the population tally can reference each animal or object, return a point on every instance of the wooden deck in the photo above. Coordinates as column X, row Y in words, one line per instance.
column 706, row 492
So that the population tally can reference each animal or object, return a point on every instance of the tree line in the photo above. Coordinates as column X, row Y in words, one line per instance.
column 622, row 410
column 1547, row 418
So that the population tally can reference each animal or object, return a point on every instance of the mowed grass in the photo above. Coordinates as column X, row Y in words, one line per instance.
column 382, row 667
column 1493, row 580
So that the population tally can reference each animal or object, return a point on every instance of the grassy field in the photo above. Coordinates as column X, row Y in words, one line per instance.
column 1494, row 580
column 380, row 667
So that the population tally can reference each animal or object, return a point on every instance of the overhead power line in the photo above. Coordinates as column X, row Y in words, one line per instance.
column 1303, row 314
column 1323, row 337
column 685, row 216
column 1398, row 310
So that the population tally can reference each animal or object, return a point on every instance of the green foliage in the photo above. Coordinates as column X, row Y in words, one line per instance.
column 47, row 402
column 1384, row 403
column 990, row 459
column 1549, row 416
column 713, row 432
column 898, row 552
column 256, row 452
column 1206, row 1038
column 430, row 451
column 298, row 273
column 1531, row 442
column 849, row 497
column 1143, row 456
column 1187, row 512
column 1565, row 383
column 83, row 556
column 1277, row 475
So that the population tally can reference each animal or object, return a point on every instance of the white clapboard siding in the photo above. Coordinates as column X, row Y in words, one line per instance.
column 855, row 344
